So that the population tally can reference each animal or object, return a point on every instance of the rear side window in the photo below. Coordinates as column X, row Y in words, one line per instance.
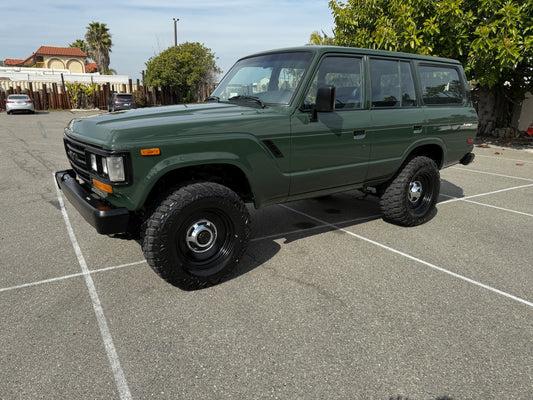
column 392, row 84
column 441, row 85
column 345, row 73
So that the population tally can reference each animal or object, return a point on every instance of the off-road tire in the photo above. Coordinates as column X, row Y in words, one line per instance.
column 196, row 235
column 410, row 198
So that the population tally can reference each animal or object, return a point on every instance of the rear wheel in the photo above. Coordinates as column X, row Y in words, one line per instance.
column 411, row 197
column 197, row 235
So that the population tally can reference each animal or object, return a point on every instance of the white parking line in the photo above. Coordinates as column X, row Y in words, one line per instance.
column 296, row 231
column 491, row 173
column 503, row 158
column 120, row 379
column 453, row 199
column 61, row 278
column 483, row 194
column 418, row 260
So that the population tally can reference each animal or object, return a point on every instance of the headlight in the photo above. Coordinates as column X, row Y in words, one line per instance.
column 115, row 169
column 110, row 168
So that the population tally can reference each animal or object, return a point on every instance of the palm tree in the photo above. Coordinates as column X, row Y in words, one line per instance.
column 99, row 45
column 80, row 44
column 321, row 39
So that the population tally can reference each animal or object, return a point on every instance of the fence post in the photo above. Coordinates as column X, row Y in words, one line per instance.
column 44, row 97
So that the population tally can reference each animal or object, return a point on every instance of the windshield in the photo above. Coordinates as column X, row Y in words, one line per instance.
column 270, row 78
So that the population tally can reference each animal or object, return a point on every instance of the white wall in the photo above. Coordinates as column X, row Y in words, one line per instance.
column 526, row 115
column 20, row 74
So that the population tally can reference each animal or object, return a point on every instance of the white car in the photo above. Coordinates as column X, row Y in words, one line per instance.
column 19, row 102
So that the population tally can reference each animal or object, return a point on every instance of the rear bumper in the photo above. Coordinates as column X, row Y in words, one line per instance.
column 467, row 159
column 105, row 219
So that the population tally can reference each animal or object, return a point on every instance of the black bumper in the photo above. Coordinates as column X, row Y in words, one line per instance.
column 467, row 159
column 101, row 216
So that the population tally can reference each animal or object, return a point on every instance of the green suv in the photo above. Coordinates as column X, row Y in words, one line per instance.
column 282, row 125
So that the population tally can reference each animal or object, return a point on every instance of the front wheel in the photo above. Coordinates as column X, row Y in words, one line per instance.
column 197, row 235
column 411, row 197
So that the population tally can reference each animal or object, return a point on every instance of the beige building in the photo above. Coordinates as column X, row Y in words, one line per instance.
column 70, row 58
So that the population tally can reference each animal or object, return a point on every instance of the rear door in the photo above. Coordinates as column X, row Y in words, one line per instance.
column 396, row 114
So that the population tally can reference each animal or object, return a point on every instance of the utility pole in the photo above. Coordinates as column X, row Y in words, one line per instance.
column 176, row 31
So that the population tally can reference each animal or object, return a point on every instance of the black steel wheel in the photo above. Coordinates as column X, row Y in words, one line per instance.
column 410, row 199
column 197, row 235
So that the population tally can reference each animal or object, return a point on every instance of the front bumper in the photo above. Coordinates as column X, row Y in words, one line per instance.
column 105, row 219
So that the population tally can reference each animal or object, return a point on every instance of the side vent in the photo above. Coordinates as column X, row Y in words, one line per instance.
column 273, row 148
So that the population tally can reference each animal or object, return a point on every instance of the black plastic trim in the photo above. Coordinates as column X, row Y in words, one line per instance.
column 467, row 159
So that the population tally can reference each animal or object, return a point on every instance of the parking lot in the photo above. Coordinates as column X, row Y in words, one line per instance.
column 329, row 302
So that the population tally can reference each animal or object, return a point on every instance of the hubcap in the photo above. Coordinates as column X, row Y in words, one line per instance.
column 201, row 236
column 415, row 191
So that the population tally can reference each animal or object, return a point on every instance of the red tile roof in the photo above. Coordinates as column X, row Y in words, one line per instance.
column 90, row 67
column 12, row 62
column 61, row 51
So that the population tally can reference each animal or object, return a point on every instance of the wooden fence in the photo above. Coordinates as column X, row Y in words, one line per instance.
column 55, row 96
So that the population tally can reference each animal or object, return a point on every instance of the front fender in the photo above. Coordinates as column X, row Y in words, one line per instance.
column 262, row 169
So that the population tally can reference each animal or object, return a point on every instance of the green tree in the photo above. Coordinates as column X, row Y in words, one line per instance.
column 318, row 39
column 492, row 38
column 99, row 45
column 185, row 69
column 80, row 44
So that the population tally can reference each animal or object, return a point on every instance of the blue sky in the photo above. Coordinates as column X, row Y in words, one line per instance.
column 142, row 29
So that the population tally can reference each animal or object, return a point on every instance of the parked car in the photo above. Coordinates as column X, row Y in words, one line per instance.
column 281, row 126
column 19, row 102
column 121, row 101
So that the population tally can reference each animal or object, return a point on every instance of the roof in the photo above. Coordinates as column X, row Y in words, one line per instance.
column 61, row 51
column 90, row 67
column 12, row 62
column 359, row 51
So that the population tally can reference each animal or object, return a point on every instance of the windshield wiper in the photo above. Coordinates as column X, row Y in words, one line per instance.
column 213, row 98
column 253, row 98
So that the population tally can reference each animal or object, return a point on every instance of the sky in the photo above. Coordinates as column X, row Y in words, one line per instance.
column 142, row 29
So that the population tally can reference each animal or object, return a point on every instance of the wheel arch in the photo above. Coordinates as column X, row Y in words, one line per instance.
column 225, row 174
column 431, row 150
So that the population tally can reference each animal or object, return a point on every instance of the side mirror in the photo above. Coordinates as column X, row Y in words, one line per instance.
column 325, row 99
column 325, row 102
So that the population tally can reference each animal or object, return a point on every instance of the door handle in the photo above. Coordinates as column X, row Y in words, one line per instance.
column 417, row 129
column 359, row 133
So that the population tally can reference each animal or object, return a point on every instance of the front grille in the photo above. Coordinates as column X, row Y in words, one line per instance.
column 78, row 158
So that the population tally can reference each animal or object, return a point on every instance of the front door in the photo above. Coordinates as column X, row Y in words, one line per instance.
column 332, row 151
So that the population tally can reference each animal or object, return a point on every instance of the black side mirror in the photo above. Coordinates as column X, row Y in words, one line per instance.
column 325, row 99
column 325, row 102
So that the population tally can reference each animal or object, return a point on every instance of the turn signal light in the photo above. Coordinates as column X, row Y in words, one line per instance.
column 102, row 186
column 150, row 152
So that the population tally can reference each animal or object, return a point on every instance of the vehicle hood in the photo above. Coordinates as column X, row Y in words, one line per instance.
column 115, row 131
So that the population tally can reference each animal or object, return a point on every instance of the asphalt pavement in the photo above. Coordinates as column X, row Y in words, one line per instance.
column 329, row 302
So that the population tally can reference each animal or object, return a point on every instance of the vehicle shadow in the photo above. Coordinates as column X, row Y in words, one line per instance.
column 284, row 224
column 449, row 190
column 278, row 225
column 327, row 214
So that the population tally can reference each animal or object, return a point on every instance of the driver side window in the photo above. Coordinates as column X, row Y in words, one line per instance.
column 345, row 73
